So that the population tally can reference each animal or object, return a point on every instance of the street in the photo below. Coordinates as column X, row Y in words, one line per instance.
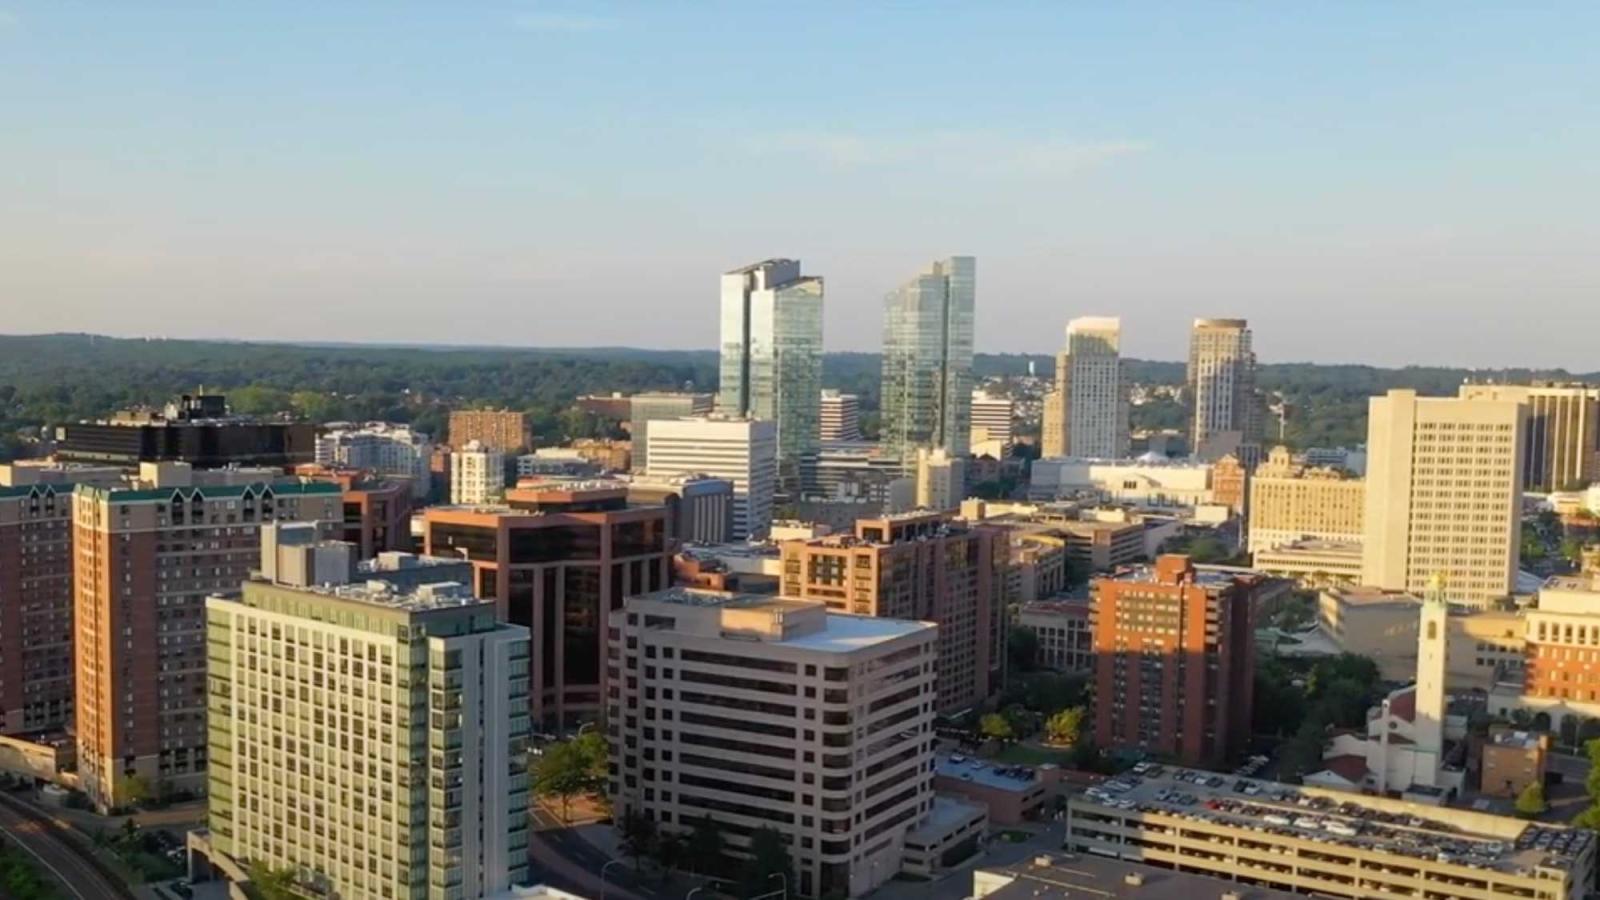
column 45, row 842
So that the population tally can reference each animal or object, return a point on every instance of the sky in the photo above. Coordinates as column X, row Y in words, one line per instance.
column 1365, row 182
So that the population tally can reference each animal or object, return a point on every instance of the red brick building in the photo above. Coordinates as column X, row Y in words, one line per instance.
column 35, row 608
column 1174, row 661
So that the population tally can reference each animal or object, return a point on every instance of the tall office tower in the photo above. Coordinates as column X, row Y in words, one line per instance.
column 393, row 451
column 369, row 738
column 757, row 712
column 992, row 422
column 559, row 559
column 1289, row 503
column 1444, row 495
column 145, row 556
column 941, row 479
column 744, row 451
column 841, row 416
column 926, row 566
column 1563, row 442
column 477, row 474
column 497, row 429
column 1224, row 409
column 1174, row 661
column 772, row 357
column 660, row 405
column 927, row 361
column 1086, row 415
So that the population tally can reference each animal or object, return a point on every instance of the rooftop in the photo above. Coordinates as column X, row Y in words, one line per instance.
column 1071, row 607
column 1360, row 822
column 805, row 624
column 1315, row 545
column 1061, row 876
column 1519, row 740
column 845, row 633
column 976, row 771
column 422, row 598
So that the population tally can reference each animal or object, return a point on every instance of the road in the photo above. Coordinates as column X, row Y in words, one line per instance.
column 45, row 842
column 568, row 862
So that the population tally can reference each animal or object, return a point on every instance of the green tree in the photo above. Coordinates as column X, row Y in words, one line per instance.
column 671, row 851
column 1022, row 649
column 1063, row 728
column 571, row 769
column 706, row 846
column 769, row 866
column 995, row 726
column 273, row 884
column 1530, row 802
column 639, row 837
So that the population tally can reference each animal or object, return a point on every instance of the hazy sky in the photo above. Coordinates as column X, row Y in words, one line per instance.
column 1374, row 182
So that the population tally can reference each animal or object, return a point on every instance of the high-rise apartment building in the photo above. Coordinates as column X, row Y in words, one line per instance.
column 927, row 361
column 1086, row 415
column 145, row 556
column 925, row 566
column 757, row 712
column 646, row 407
column 841, row 416
column 1290, row 502
column 1562, row 447
column 772, row 356
column 477, row 474
column 497, row 429
column 1224, row 408
column 1174, row 661
column 559, row 559
column 392, row 451
column 941, row 479
column 1444, row 495
column 743, row 451
column 371, row 740
column 992, row 424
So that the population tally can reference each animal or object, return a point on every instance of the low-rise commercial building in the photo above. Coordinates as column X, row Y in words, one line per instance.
column 1510, row 761
column 1066, row 640
column 1312, row 563
column 1327, row 843
column 759, row 712
column 1484, row 647
column 1011, row 794
column 1149, row 480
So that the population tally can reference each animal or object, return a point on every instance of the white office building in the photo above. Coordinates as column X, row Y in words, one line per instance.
column 393, row 451
column 1087, row 413
column 743, row 451
column 841, row 417
column 992, row 423
column 760, row 712
column 477, row 474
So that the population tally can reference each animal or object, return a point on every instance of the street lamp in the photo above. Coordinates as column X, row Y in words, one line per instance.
column 614, row 862
column 783, row 882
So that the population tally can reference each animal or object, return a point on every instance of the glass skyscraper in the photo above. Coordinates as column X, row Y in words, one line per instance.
column 927, row 361
column 772, row 356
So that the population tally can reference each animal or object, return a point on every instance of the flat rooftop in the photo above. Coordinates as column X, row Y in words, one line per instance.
column 1318, row 545
column 976, row 771
column 1073, row 608
column 845, row 633
column 423, row 598
column 1060, row 876
column 1204, row 577
column 1404, row 829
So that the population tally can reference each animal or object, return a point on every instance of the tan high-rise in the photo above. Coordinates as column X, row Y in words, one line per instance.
column 1087, row 413
column 1289, row 503
column 1444, row 495
column 1562, row 447
column 1224, row 409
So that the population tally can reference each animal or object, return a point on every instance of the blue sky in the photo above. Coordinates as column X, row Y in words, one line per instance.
column 1367, row 182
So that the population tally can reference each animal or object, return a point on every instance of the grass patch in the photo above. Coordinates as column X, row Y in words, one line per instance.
column 1015, row 837
column 1027, row 755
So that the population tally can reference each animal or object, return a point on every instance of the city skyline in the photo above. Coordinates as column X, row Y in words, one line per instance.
column 489, row 162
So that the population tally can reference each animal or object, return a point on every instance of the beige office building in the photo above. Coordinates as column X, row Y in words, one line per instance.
column 1087, row 413
column 1327, row 843
column 1444, row 495
column 758, row 712
column 1290, row 502
column 1224, row 409
column 1484, row 647
column 371, row 740
column 477, row 474
column 1562, row 446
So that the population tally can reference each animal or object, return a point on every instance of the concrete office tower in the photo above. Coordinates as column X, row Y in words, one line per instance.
column 1290, row 503
column 743, row 451
column 699, row 507
column 991, row 424
column 477, row 474
column 1087, row 414
column 369, row 738
column 1224, row 409
column 927, row 361
column 772, row 357
column 941, row 480
column 925, row 566
column 1562, row 448
column 660, row 405
column 393, row 451
column 1444, row 495
column 1174, row 661
column 146, row 555
column 841, row 416
column 559, row 559
column 758, row 712
column 497, row 429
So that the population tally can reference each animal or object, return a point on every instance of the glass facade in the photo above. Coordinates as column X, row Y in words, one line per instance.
column 927, row 361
